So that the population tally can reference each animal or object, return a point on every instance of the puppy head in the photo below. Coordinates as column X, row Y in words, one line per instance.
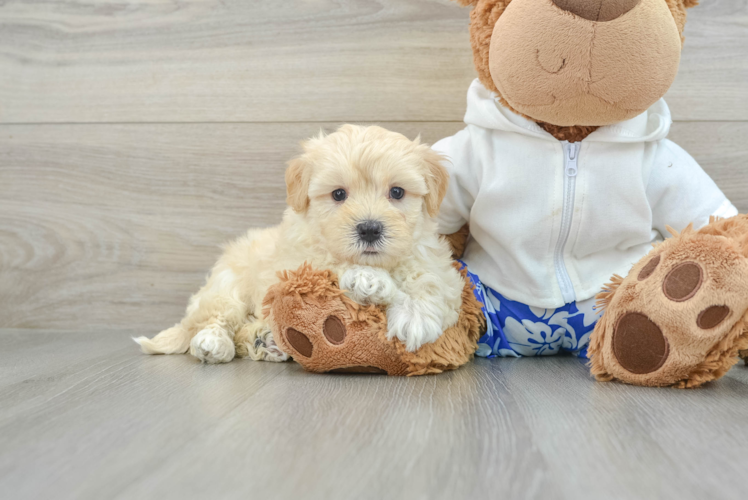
column 367, row 192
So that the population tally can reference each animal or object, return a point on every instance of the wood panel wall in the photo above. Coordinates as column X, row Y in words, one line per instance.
column 138, row 135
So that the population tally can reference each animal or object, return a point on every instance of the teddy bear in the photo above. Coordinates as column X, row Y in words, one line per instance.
column 562, row 178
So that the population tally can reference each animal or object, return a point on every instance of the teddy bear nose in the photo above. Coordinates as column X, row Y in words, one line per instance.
column 597, row 10
column 370, row 231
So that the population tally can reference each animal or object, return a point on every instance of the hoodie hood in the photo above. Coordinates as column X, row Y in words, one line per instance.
column 484, row 110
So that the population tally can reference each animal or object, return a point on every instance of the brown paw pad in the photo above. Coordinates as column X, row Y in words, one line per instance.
column 320, row 334
column 638, row 344
column 712, row 316
column 300, row 342
column 647, row 270
column 334, row 330
column 683, row 281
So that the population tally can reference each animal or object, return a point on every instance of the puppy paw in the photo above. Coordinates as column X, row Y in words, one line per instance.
column 268, row 350
column 213, row 345
column 255, row 341
column 414, row 322
column 368, row 285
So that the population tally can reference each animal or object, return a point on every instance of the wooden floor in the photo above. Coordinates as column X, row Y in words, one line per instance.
column 84, row 416
column 136, row 136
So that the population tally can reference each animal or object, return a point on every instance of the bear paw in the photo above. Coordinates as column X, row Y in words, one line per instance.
column 325, row 331
column 679, row 317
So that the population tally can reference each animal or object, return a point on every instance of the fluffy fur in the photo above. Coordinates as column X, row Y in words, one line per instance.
column 408, row 272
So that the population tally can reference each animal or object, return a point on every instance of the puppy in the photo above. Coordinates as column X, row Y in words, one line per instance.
column 361, row 203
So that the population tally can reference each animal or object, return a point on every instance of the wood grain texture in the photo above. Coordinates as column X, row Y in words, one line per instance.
column 637, row 434
column 118, row 225
column 168, row 125
column 106, row 226
column 113, row 423
column 294, row 60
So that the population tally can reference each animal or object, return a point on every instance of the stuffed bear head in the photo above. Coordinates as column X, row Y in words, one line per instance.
column 574, row 65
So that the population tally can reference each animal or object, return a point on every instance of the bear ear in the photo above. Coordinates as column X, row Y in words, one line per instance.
column 690, row 3
column 467, row 3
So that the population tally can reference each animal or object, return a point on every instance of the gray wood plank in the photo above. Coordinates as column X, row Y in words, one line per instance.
column 135, row 426
column 739, row 372
column 714, row 31
column 296, row 60
column 456, row 436
column 106, row 229
column 35, row 356
column 619, row 441
column 117, row 225
column 233, row 60
column 114, row 226
column 721, row 150
column 125, row 425
column 90, row 427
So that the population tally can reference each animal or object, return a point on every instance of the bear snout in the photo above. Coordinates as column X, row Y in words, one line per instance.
column 597, row 10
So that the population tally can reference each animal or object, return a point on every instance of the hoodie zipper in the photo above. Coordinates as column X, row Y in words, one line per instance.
column 571, row 166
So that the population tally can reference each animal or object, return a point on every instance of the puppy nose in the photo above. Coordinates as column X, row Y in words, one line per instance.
column 369, row 230
column 597, row 10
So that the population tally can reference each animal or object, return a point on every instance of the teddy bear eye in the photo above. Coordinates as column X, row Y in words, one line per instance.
column 339, row 195
column 396, row 193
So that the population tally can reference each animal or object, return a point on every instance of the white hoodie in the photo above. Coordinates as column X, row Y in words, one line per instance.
column 550, row 221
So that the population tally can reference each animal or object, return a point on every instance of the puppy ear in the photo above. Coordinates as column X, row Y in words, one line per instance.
column 690, row 3
column 298, row 175
column 437, row 180
column 466, row 3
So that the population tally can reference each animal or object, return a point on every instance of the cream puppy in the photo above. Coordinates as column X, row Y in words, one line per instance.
column 361, row 203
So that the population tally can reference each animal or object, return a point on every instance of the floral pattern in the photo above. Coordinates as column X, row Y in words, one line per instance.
column 515, row 329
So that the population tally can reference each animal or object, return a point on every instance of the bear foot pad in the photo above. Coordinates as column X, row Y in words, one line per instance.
column 679, row 318
column 327, row 351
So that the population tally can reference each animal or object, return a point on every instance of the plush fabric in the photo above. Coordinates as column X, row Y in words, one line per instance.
column 483, row 23
column 457, row 241
column 562, row 69
column 514, row 329
column 680, row 316
column 597, row 10
column 575, row 133
column 325, row 331
column 585, row 70
column 507, row 179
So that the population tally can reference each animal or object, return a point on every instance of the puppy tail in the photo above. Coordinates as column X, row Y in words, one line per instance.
column 174, row 340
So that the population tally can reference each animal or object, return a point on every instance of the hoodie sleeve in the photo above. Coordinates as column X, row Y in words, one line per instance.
column 460, row 163
column 680, row 192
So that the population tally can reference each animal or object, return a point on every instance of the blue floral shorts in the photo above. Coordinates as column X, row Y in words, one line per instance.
column 515, row 329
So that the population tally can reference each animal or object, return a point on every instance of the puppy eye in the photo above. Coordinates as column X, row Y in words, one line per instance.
column 339, row 195
column 396, row 193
